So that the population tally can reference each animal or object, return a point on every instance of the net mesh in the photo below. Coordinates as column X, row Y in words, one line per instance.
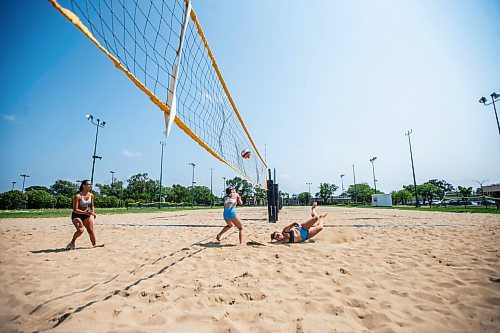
column 144, row 36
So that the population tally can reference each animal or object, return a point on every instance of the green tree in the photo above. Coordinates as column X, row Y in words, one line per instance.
column 361, row 193
column 443, row 185
column 63, row 201
column 242, row 186
column 401, row 196
column 203, row 196
column 115, row 189
column 465, row 191
column 12, row 199
column 428, row 191
column 37, row 188
column 326, row 191
column 179, row 193
column 64, row 187
column 141, row 188
column 304, row 198
column 37, row 199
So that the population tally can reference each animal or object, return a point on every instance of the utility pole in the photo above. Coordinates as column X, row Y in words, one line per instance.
column 98, row 124
column 163, row 144
column 192, row 182
column 413, row 168
column 24, row 179
column 310, row 196
column 224, row 186
column 13, row 183
column 342, row 181
column 211, row 191
column 355, row 190
column 373, row 169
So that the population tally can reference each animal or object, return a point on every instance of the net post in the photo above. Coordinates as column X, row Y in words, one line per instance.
column 270, row 198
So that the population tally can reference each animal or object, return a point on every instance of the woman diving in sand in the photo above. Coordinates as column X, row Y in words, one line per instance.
column 297, row 233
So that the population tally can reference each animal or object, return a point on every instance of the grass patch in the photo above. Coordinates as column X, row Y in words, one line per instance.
column 34, row 213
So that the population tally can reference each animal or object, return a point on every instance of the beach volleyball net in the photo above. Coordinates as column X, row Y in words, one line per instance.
column 161, row 47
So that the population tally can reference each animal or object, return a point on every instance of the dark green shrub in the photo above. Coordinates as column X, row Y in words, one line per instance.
column 37, row 199
column 12, row 200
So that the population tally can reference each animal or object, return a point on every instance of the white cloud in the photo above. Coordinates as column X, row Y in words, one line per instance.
column 9, row 117
column 130, row 153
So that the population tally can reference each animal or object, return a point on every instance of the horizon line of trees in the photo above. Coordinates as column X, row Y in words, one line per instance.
column 362, row 192
column 139, row 188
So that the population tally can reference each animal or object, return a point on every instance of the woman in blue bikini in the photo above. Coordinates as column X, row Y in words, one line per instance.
column 232, row 199
column 296, row 233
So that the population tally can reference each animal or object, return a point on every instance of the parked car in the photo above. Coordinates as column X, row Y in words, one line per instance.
column 485, row 202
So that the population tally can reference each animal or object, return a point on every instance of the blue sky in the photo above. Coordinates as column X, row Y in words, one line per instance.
column 321, row 85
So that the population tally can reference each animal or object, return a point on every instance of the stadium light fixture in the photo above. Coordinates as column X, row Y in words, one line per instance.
column 413, row 168
column 342, row 182
column 373, row 169
column 494, row 97
column 24, row 179
column 192, row 182
column 98, row 124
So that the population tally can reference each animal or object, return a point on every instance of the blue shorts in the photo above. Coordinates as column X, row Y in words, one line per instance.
column 229, row 213
column 304, row 234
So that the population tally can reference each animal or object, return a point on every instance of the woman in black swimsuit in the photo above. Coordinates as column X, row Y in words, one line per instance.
column 83, row 213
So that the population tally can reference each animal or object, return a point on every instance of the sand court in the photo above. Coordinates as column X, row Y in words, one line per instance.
column 369, row 270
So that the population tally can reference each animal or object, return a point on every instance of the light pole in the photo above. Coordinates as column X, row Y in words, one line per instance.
column 413, row 168
column 481, row 184
column 163, row 144
column 24, row 179
column 192, row 182
column 494, row 97
column 309, row 184
column 99, row 124
column 112, row 177
column 224, row 186
column 373, row 169
column 355, row 191
column 13, row 183
column 211, row 191
column 342, row 181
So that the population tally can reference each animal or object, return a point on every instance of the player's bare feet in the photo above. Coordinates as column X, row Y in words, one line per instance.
column 313, row 209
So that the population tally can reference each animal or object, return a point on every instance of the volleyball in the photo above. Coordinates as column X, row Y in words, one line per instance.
column 245, row 153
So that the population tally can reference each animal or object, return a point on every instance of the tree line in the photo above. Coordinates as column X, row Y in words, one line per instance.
column 138, row 188
column 362, row 193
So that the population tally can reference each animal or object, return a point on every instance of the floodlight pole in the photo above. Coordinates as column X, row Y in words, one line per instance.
column 112, row 177
column 342, row 181
column 413, row 168
column 223, row 186
column 24, row 179
column 13, row 183
column 494, row 97
column 481, row 184
column 98, row 124
column 355, row 190
column 192, row 182
column 211, row 191
column 373, row 169
column 309, row 184
column 163, row 144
